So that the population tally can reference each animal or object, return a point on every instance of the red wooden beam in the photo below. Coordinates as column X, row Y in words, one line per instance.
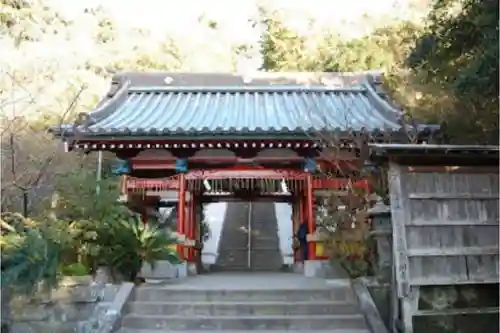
column 153, row 184
column 249, row 173
column 172, row 183
column 168, row 163
column 152, row 164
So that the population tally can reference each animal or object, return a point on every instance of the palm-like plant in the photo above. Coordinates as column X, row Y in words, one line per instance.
column 123, row 243
column 136, row 243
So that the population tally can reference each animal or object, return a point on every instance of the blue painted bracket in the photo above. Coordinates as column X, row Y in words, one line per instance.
column 120, row 167
column 181, row 165
column 310, row 165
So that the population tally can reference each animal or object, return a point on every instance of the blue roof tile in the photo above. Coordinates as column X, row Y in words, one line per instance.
column 240, row 110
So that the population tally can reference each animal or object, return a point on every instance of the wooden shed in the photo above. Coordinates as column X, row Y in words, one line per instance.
column 444, row 202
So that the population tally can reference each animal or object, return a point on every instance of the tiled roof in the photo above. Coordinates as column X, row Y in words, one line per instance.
column 138, row 104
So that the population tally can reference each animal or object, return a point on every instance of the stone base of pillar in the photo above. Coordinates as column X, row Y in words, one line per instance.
column 164, row 270
column 298, row 267
column 182, row 269
column 325, row 269
column 192, row 269
column 314, row 268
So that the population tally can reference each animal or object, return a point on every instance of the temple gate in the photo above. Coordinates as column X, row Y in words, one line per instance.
column 207, row 137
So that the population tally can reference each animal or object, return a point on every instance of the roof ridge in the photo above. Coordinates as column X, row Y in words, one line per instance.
column 263, row 88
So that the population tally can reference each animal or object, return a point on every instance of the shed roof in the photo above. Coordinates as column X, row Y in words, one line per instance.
column 436, row 153
column 421, row 149
column 207, row 104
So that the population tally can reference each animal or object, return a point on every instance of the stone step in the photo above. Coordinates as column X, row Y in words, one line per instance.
column 241, row 308
column 270, row 260
column 270, row 252
column 182, row 322
column 342, row 330
column 264, row 245
column 233, row 245
column 239, row 256
column 267, row 240
column 244, row 249
column 338, row 293
column 244, row 268
column 231, row 256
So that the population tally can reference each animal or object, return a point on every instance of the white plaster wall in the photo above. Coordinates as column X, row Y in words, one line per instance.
column 214, row 213
column 285, row 230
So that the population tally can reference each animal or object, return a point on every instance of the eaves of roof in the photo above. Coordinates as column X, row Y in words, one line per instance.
column 131, row 110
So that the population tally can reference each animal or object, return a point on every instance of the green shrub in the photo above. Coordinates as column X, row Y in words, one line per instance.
column 123, row 243
column 28, row 258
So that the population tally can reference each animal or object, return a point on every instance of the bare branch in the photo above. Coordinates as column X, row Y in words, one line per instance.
column 31, row 160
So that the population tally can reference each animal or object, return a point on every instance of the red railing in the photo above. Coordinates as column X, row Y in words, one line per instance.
column 172, row 183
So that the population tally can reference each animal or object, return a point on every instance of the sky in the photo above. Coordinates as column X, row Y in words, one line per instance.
column 180, row 19
column 183, row 15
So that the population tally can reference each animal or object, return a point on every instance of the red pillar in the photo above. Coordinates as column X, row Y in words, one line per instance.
column 300, row 209
column 181, row 223
column 190, row 225
column 310, row 215
column 294, row 228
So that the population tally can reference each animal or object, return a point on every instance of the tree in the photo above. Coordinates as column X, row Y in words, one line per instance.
column 31, row 160
column 459, row 54
column 282, row 49
column 444, row 71
column 26, row 20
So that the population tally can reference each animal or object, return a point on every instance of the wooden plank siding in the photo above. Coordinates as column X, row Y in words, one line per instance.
column 445, row 232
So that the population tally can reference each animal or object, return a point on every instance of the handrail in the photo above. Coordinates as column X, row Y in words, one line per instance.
column 249, row 241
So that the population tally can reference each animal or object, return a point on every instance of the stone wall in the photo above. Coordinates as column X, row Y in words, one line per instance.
column 78, row 305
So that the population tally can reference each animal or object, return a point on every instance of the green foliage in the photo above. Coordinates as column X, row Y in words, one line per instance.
column 32, row 256
column 123, row 243
column 453, row 57
column 282, row 49
column 459, row 54
column 76, row 197
column 460, row 46
column 83, row 230
column 105, row 232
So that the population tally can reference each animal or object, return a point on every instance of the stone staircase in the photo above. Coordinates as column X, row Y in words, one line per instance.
column 265, row 252
column 233, row 249
column 268, row 307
